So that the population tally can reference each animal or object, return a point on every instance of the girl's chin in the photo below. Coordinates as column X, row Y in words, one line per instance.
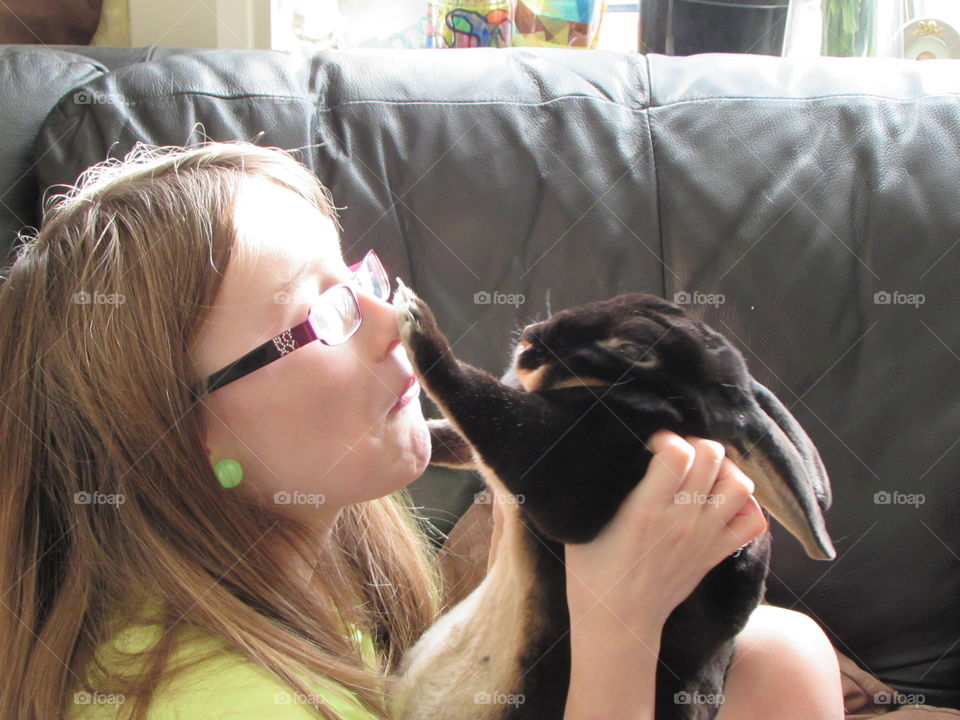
column 416, row 440
column 422, row 445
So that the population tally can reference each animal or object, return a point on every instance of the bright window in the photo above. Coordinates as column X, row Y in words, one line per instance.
column 620, row 26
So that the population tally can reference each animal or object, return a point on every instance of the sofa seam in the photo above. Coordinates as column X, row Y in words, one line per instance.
column 812, row 98
column 656, row 180
column 491, row 101
column 374, row 101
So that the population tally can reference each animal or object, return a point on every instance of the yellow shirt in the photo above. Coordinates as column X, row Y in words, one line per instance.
column 227, row 686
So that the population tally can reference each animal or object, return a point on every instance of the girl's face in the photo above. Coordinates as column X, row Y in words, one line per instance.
column 314, row 430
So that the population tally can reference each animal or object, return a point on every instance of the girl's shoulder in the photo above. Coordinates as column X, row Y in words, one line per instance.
column 220, row 684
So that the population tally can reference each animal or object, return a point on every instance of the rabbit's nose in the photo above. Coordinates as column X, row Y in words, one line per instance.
column 534, row 336
column 530, row 332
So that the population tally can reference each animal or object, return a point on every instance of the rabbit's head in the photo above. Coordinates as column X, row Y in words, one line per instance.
column 653, row 346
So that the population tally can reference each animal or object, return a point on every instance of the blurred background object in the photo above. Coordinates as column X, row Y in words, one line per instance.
column 385, row 23
column 49, row 22
column 114, row 27
column 849, row 28
column 911, row 29
column 305, row 26
column 557, row 23
column 469, row 23
column 299, row 26
column 926, row 38
column 688, row 27
column 618, row 28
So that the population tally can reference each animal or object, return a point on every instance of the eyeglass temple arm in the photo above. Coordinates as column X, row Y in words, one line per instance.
column 272, row 349
column 262, row 354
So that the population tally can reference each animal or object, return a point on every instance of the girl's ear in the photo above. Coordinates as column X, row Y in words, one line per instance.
column 449, row 447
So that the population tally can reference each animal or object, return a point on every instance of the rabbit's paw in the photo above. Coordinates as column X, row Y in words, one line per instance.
column 425, row 344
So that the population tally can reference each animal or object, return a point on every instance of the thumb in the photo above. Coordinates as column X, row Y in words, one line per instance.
column 749, row 523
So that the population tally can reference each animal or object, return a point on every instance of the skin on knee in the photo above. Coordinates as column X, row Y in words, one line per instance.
column 783, row 668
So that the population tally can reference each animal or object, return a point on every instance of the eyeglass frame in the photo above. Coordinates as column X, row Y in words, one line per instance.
column 300, row 334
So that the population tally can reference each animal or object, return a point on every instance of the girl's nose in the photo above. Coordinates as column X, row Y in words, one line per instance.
column 379, row 331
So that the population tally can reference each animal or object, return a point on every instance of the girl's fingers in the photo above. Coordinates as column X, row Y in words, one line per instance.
column 732, row 491
column 699, row 483
column 672, row 459
column 746, row 525
column 696, row 471
column 739, row 512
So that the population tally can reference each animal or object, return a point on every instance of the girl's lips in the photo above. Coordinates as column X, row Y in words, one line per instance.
column 410, row 390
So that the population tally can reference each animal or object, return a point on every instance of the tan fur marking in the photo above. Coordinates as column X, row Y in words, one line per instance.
column 493, row 621
column 579, row 382
column 531, row 379
column 774, row 496
column 442, row 673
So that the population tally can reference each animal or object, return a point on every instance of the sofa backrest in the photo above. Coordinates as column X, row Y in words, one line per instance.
column 806, row 209
column 32, row 81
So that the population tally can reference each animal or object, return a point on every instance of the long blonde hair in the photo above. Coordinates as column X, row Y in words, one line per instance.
column 97, row 314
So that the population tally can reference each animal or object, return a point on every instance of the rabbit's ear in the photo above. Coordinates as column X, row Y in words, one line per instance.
column 790, row 480
column 448, row 447
column 813, row 465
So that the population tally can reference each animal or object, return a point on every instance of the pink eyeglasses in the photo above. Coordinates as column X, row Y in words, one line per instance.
column 332, row 319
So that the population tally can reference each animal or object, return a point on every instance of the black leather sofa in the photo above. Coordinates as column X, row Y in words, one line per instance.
column 818, row 198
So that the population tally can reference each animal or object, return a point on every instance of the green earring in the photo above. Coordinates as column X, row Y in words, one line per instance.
column 229, row 472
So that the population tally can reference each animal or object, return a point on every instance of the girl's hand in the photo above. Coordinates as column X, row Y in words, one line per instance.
column 656, row 550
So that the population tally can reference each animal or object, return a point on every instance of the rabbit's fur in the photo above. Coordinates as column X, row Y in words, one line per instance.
column 561, row 437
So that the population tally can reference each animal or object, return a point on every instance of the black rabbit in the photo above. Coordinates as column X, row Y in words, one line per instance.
column 563, row 434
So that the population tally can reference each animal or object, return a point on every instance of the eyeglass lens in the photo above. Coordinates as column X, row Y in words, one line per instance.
column 343, row 314
column 337, row 316
column 372, row 277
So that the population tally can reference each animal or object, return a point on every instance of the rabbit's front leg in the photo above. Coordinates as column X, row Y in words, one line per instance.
column 483, row 409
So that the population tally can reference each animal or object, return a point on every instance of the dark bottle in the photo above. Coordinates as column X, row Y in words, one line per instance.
column 687, row 27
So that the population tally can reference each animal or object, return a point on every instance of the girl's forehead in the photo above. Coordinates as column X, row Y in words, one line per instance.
column 278, row 229
column 279, row 236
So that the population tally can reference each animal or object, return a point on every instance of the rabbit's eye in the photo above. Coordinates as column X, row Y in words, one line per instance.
column 639, row 356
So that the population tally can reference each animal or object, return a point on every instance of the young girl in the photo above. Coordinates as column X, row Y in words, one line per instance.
column 204, row 512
